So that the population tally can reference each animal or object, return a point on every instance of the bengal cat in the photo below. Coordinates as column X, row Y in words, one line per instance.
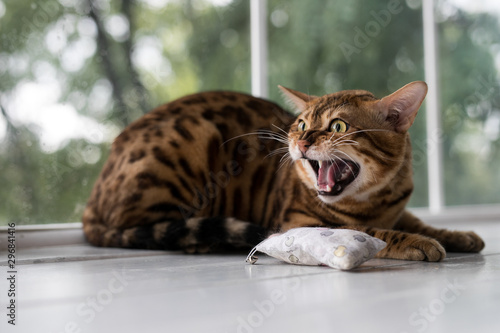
column 223, row 169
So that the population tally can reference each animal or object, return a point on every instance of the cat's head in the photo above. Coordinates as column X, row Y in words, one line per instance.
column 350, row 143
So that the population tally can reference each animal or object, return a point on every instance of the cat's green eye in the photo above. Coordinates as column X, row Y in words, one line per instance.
column 302, row 126
column 339, row 126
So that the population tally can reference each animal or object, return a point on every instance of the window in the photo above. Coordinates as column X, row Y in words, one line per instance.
column 469, row 63
column 74, row 73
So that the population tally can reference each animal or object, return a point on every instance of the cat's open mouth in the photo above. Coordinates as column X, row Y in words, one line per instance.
column 332, row 177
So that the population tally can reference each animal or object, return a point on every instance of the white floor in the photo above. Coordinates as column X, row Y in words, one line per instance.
column 78, row 288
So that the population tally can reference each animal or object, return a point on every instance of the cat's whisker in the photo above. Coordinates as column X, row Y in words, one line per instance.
column 282, row 130
column 346, row 141
column 334, row 160
column 265, row 131
column 263, row 134
column 287, row 155
column 277, row 151
column 272, row 132
column 379, row 154
column 349, row 157
column 286, row 158
column 281, row 148
column 346, row 144
column 360, row 131
column 346, row 154
column 273, row 138
column 238, row 136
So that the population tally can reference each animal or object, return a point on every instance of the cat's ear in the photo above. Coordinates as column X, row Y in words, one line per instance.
column 296, row 99
column 400, row 108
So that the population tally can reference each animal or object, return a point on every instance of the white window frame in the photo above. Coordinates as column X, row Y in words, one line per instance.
column 433, row 120
column 258, row 47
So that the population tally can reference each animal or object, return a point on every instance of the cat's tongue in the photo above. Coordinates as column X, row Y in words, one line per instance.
column 334, row 176
column 328, row 175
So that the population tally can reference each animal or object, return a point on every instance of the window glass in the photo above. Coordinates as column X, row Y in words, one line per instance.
column 73, row 75
column 469, row 61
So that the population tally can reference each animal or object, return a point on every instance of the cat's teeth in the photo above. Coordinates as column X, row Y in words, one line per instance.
column 328, row 188
column 320, row 164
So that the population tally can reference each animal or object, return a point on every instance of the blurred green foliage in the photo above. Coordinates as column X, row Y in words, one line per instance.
column 143, row 53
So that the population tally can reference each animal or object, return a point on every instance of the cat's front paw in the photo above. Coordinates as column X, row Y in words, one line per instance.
column 415, row 247
column 424, row 249
column 463, row 241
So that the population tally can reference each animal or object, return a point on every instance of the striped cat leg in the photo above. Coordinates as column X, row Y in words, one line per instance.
column 453, row 241
column 408, row 246
column 194, row 235
column 400, row 245
column 403, row 245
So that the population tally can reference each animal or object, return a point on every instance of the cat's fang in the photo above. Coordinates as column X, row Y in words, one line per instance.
column 345, row 173
column 320, row 164
column 328, row 188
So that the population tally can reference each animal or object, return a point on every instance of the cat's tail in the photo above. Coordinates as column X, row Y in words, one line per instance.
column 194, row 235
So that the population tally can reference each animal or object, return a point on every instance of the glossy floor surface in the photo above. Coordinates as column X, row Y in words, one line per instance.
column 78, row 288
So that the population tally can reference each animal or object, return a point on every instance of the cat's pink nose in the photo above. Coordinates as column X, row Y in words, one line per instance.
column 303, row 145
